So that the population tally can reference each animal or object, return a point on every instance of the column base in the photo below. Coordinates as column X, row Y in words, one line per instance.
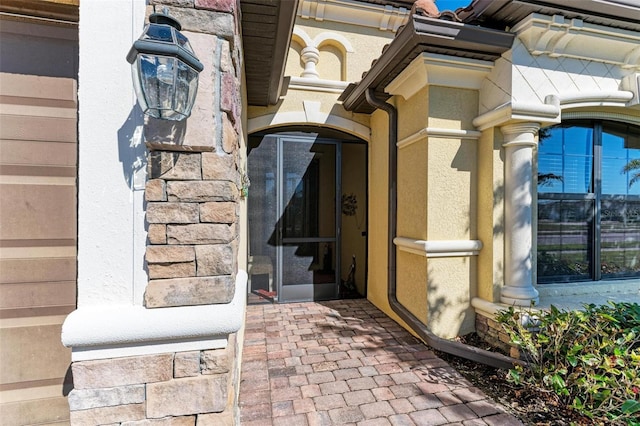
column 519, row 296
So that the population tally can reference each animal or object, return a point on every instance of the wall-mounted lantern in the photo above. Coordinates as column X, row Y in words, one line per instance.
column 165, row 69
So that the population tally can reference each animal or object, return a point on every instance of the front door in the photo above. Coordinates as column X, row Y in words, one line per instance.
column 294, row 217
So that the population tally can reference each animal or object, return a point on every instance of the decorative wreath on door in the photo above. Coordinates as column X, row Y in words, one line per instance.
column 349, row 204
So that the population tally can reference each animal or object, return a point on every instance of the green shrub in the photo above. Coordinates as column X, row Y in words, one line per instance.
column 590, row 358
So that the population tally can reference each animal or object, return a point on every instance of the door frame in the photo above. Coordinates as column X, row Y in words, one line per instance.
column 307, row 291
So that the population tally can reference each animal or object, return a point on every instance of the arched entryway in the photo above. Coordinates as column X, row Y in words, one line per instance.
column 307, row 215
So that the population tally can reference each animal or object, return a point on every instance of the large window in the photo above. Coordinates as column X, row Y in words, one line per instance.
column 588, row 202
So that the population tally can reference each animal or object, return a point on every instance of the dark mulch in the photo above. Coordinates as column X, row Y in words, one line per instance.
column 533, row 407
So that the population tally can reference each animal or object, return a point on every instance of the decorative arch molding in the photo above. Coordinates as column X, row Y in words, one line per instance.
column 335, row 40
column 622, row 116
column 323, row 38
column 309, row 118
column 302, row 36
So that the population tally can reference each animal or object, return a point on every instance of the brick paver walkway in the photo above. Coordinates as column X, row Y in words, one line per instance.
column 345, row 362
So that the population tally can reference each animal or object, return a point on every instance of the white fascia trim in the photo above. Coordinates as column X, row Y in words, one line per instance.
column 317, row 85
column 384, row 18
column 439, row 70
column 557, row 36
column 441, row 248
column 93, row 331
column 319, row 118
column 437, row 132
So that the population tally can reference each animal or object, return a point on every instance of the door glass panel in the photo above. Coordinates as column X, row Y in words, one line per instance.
column 262, row 212
column 309, row 263
column 309, row 188
column 564, row 240
column 293, row 218
column 620, row 238
column 309, row 212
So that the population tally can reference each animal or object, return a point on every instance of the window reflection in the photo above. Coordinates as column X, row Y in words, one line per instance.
column 588, row 202
column 564, row 229
column 565, row 160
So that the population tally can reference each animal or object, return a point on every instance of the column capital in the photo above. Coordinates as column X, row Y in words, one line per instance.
column 520, row 133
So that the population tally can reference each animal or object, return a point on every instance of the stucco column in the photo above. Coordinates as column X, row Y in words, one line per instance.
column 518, row 214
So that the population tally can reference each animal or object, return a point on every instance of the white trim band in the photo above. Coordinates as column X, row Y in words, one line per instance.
column 122, row 330
column 437, row 132
column 317, row 85
column 442, row 248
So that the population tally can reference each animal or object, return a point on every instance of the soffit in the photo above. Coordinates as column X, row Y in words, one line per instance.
column 267, row 26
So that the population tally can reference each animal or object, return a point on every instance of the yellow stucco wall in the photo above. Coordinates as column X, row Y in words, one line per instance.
column 366, row 44
column 354, row 181
column 322, row 108
column 412, row 215
column 378, row 212
column 438, row 196
column 437, row 200
column 490, row 215
column 451, row 210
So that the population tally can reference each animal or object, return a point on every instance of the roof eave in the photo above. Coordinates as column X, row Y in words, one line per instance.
column 266, row 55
column 425, row 34
column 286, row 21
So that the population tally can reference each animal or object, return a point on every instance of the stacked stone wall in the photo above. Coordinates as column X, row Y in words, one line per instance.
column 192, row 205
column 172, row 389
column 193, row 230
column 491, row 331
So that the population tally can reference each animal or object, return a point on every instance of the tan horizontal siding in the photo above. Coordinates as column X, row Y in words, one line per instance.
column 47, row 411
column 37, row 212
column 38, row 163
column 49, row 129
column 38, row 153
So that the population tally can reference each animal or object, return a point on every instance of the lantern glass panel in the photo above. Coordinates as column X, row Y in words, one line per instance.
column 165, row 72
column 158, row 33
column 183, row 41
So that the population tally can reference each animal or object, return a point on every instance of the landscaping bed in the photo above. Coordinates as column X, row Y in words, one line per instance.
column 583, row 367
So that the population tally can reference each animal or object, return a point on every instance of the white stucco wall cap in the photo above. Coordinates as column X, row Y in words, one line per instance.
column 550, row 111
column 120, row 325
column 518, row 111
column 439, row 248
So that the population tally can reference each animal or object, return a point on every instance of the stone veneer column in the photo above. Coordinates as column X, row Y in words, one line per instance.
column 518, row 214
column 172, row 358
column 192, row 211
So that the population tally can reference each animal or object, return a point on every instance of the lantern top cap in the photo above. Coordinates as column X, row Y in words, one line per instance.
column 162, row 37
column 163, row 18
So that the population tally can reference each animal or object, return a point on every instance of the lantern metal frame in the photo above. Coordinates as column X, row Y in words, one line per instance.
column 164, row 66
